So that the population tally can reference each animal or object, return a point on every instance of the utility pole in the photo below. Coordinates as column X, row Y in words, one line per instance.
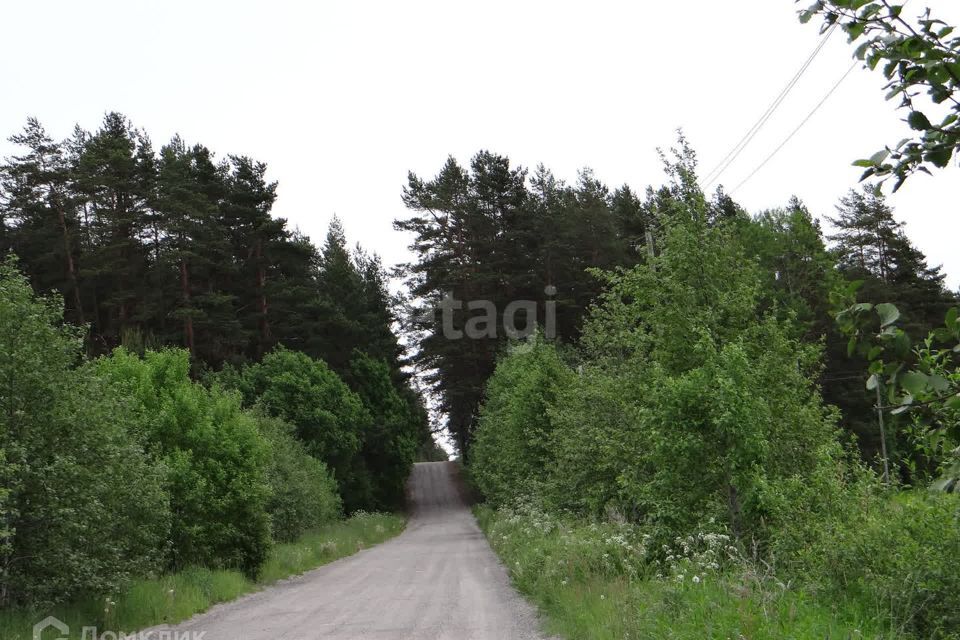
column 883, row 439
column 650, row 249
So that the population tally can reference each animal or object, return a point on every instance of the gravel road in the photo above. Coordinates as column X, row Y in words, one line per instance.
column 439, row 580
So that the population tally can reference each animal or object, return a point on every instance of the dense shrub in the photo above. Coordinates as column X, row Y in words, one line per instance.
column 596, row 423
column 899, row 554
column 390, row 444
column 719, row 440
column 690, row 403
column 303, row 494
column 217, row 459
column 695, row 406
column 731, row 439
column 83, row 507
column 608, row 580
column 511, row 451
column 329, row 418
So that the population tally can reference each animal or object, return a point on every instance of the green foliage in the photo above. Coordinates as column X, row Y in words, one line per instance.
column 512, row 447
column 690, row 403
column 431, row 451
column 921, row 383
column 39, row 210
column 216, row 459
column 595, row 423
column 486, row 232
column 180, row 247
column 695, row 404
column 175, row 597
column 368, row 437
column 390, row 444
column 83, row 507
column 880, row 263
column 194, row 255
column 797, row 271
column 329, row 418
column 726, row 440
column 341, row 287
column 898, row 555
column 917, row 56
column 303, row 494
column 699, row 286
column 608, row 581
column 721, row 439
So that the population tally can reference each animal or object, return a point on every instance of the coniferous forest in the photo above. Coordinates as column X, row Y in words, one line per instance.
column 189, row 377
column 677, row 417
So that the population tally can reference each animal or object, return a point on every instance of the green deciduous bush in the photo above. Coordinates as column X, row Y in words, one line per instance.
column 897, row 554
column 117, row 469
column 721, row 439
column 215, row 456
column 303, row 494
column 329, row 418
column 511, row 454
column 83, row 507
column 692, row 432
column 596, row 421
column 690, row 402
column 390, row 443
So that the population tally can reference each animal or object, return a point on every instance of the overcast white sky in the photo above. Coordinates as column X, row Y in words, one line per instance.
column 343, row 99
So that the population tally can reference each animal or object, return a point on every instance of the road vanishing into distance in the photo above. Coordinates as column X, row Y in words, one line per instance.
column 438, row 580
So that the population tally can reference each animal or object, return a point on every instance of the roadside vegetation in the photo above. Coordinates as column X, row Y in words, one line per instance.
column 715, row 422
column 174, row 597
column 677, row 473
column 606, row 581
column 754, row 435
column 201, row 403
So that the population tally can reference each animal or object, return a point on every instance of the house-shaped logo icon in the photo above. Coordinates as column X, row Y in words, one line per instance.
column 48, row 622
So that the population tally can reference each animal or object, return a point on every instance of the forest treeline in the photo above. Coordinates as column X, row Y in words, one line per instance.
column 177, row 247
column 186, row 381
column 493, row 231
column 159, row 323
column 691, row 454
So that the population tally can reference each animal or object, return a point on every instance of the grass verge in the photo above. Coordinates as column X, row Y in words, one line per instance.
column 595, row 581
column 175, row 597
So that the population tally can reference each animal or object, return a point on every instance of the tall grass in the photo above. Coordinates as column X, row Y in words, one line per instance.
column 600, row 582
column 178, row 596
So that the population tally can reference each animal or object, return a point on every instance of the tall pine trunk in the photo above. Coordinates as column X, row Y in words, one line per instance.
column 262, row 298
column 187, row 319
column 71, row 265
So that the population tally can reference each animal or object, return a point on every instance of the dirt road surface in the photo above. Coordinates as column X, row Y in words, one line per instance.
column 439, row 580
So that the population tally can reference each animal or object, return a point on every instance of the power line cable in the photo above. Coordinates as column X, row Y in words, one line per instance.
column 751, row 133
column 797, row 130
column 805, row 120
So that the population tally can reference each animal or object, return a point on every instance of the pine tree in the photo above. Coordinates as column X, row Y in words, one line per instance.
column 246, row 213
column 378, row 316
column 297, row 313
column 195, row 260
column 871, row 246
column 458, row 219
column 483, row 236
column 634, row 225
column 40, row 215
column 341, row 297
column 114, row 176
column 798, row 271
